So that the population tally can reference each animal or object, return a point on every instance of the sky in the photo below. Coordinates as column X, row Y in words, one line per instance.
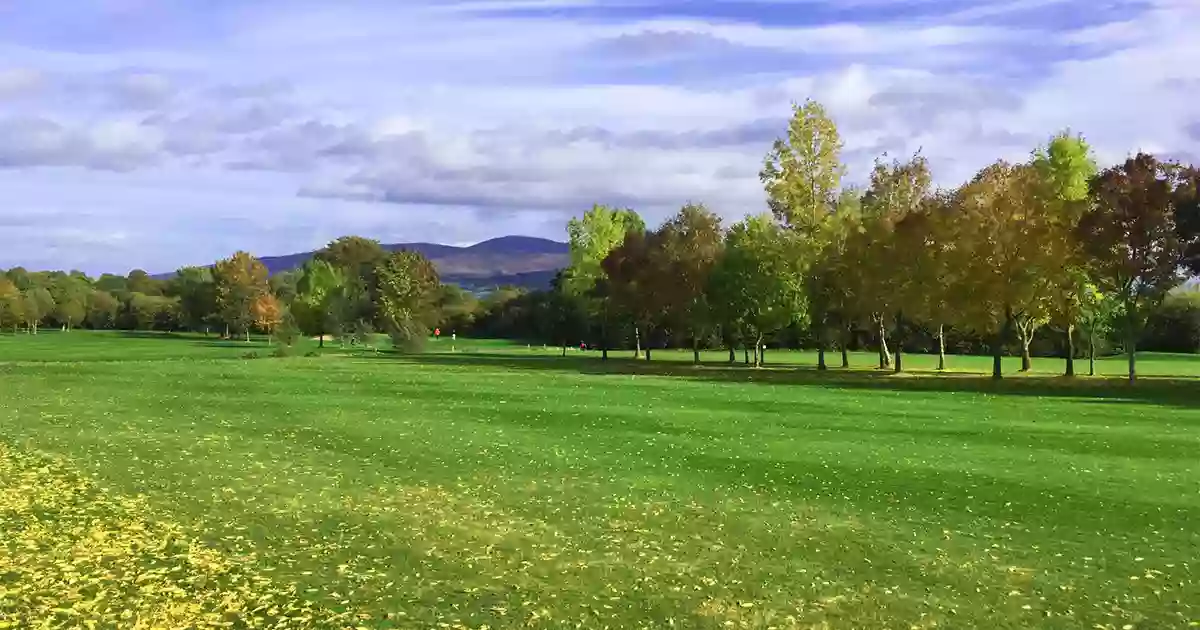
column 158, row 133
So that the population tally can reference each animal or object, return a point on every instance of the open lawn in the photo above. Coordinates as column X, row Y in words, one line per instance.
column 168, row 481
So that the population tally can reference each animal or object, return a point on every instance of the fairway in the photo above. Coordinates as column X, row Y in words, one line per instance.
column 502, row 486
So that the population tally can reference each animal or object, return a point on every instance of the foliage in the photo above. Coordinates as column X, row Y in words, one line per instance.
column 196, row 289
column 268, row 314
column 802, row 173
column 408, row 292
column 241, row 280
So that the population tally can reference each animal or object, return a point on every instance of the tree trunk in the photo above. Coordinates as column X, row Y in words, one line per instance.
column 604, row 336
column 758, row 358
column 732, row 354
column 695, row 350
column 247, row 335
column 899, row 342
column 321, row 342
column 746, row 350
column 564, row 349
column 941, row 347
column 637, row 348
column 1070, row 349
column 997, row 354
column 1026, row 332
column 1131, row 350
column 821, row 358
column 647, row 353
column 845, row 356
column 885, row 357
column 1092, row 352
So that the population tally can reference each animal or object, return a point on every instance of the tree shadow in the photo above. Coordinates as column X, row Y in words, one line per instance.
column 1170, row 391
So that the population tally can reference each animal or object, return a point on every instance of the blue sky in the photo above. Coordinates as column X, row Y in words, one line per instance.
column 158, row 133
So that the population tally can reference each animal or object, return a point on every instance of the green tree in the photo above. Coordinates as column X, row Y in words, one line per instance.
column 803, row 172
column 758, row 281
column 37, row 305
column 240, row 280
column 102, row 309
column 1064, row 167
column 139, row 281
column 1129, row 233
column 591, row 238
column 196, row 289
column 321, row 304
column 408, row 290
column 634, row 272
column 70, row 293
column 355, row 255
column 692, row 241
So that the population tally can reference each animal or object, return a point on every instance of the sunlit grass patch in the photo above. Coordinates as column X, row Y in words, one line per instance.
column 74, row 555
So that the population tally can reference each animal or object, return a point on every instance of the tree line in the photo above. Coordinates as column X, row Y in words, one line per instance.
column 1049, row 244
column 1051, row 250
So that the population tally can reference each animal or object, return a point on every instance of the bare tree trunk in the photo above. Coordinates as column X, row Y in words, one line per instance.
column 564, row 348
column 1071, row 349
column 1131, row 346
column 732, row 354
column 821, row 357
column 997, row 354
column 885, row 357
column 247, row 335
column 941, row 347
column 758, row 359
column 746, row 350
column 637, row 348
column 695, row 349
column 1025, row 330
column 899, row 342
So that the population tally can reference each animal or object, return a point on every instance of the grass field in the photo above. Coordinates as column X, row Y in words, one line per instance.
column 169, row 482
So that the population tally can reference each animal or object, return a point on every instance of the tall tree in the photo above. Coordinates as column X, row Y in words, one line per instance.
column 408, row 291
column 355, row 254
column 240, row 280
column 1129, row 233
column 70, row 293
column 268, row 314
column 1064, row 166
column 692, row 241
column 591, row 238
column 758, row 279
column 139, row 281
column 37, row 305
column 1186, row 199
column 896, row 190
column 802, row 176
column 999, row 226
column 635, row 276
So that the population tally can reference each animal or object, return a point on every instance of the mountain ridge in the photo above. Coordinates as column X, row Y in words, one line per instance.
column 526, row 261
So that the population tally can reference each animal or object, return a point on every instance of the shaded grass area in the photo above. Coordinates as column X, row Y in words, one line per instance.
column 511, row 488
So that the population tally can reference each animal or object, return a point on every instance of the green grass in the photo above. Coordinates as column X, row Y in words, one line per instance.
column 503, row 485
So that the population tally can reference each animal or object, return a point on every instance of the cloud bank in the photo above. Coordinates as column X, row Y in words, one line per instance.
column 140, row 134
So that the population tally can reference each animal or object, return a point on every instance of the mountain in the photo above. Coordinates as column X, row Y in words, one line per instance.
column 509, row 260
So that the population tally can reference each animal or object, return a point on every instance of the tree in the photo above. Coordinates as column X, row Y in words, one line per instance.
column 70, row 293
column 1098, row 314
column 355, row 255
column 896, row 190
column 1186, row 199
column 408, row 290
column 196, row 289
column 12, row 311
column 802, row 173
column 634, row 284
column 692, row 241
column 1129, row 234
column 758, row 280
column 37, row 304
column 268, row 313
column 145, row 310
column 139, row 281
column 102, row 309
column 321, row 303
column 1064, row 168
column 591, row 239
column 283, row 285
column 1000, row 226
column 802, row 176
column 240, row 280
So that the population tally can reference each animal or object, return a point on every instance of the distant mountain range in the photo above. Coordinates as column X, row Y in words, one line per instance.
column 509, row 260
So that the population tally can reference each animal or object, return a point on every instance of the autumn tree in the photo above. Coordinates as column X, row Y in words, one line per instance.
column 12, row 311
column 1129, row 234
column 758, row 280
column 896, row 189
column 408, row 291
column 240, row 280
column 634, row 273
column 1000, row 228
column 691, row 241
column 268, row 313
